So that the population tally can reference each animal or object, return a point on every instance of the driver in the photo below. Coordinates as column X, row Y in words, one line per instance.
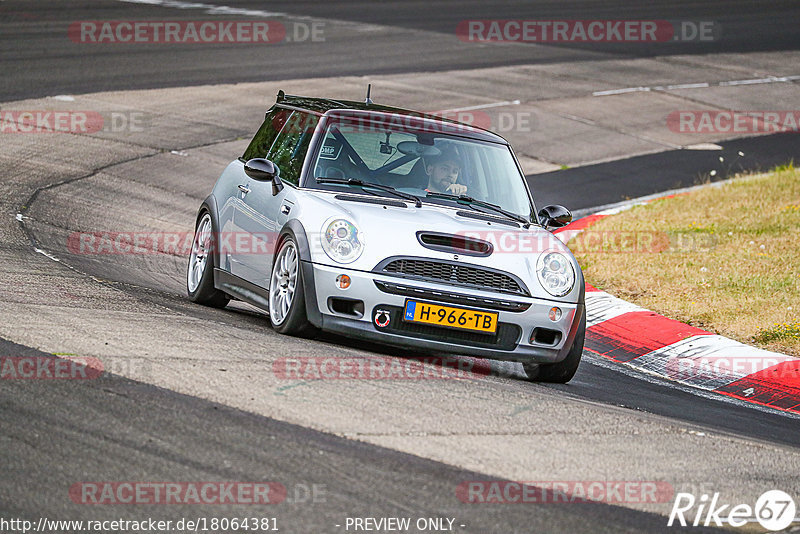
column 442, row 171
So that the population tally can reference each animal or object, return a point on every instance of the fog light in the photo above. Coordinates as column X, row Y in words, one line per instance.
column 343, row 281
column 555, row 314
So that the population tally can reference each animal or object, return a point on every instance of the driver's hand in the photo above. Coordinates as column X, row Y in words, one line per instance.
column 457, row 189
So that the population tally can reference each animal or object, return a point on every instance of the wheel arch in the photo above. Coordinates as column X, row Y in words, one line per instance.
column 295, row 229
column 210, row 205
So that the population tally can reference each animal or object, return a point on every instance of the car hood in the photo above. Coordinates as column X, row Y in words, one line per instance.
column 390, row 231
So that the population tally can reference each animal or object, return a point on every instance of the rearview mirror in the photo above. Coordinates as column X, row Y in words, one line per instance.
column 418, row 150
column 263, row 170
column 554, row 216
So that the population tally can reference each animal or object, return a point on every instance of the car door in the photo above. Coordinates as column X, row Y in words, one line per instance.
column 257, row 215
column 233, row 238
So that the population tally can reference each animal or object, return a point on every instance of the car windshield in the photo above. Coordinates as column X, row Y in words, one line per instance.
column 413, row 158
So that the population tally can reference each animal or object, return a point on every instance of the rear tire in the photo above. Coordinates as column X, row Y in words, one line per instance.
column 200, row 272
column 287, row 299
column 563, row 371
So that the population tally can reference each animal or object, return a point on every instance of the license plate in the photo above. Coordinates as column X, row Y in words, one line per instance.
column 448, row 316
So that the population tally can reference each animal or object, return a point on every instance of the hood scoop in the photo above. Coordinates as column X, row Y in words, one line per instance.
column 455, row 244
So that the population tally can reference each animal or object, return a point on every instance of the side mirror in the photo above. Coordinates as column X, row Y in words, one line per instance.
column 554, row 216
column 263, row 170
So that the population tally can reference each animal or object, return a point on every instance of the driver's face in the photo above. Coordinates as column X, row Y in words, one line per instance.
column 442, row 175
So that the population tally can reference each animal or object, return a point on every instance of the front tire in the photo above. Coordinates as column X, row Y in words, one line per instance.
column 200, row 272
column 563, row 371
column 287, row 303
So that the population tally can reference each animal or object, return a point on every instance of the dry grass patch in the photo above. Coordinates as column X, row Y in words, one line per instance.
column 724, row 258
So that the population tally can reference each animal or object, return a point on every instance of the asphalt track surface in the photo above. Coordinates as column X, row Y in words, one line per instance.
column 162, row 435
column 39, row 60
column 590, row 186
column 135, row 427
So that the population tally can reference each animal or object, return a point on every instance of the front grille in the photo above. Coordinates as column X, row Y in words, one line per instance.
column 455, row 274
column 506, row 337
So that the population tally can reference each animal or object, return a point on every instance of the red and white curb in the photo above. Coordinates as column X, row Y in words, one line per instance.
column 644, row 340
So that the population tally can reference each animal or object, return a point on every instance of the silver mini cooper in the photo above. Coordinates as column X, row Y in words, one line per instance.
column 392, row 226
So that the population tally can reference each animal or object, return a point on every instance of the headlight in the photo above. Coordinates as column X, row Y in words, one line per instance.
column 342, row 241
column 555, row 273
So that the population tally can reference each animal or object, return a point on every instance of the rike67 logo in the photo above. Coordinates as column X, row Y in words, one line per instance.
column 774, row 510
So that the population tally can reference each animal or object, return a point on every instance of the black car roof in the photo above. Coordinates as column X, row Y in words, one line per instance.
column 327, row 105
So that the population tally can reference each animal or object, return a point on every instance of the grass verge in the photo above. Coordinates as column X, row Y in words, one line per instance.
column 724, row 258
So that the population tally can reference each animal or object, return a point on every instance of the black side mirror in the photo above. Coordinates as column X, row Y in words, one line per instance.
column 554, row 216
column 263, row 170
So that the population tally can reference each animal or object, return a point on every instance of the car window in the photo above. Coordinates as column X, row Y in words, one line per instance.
column 289, row 149
column 375, row 152
column 265, row 136
column 420, row 161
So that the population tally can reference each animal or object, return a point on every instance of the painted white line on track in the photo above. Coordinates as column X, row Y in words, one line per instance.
column 771, row 79
column 485, row 106
column 617, row 209
column 621, row 91
column 46, row 254
column 214, row 9
column 210, row 9
column 703, row 146
column 698, row 85
column 686, row 86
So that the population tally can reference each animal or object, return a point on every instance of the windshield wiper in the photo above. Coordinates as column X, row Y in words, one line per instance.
column 360, row 183
column 472, row 202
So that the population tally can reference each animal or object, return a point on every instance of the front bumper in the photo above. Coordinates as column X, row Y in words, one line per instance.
column 517, row 316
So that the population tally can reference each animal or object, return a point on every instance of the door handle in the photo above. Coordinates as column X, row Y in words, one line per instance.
column 244, row 189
